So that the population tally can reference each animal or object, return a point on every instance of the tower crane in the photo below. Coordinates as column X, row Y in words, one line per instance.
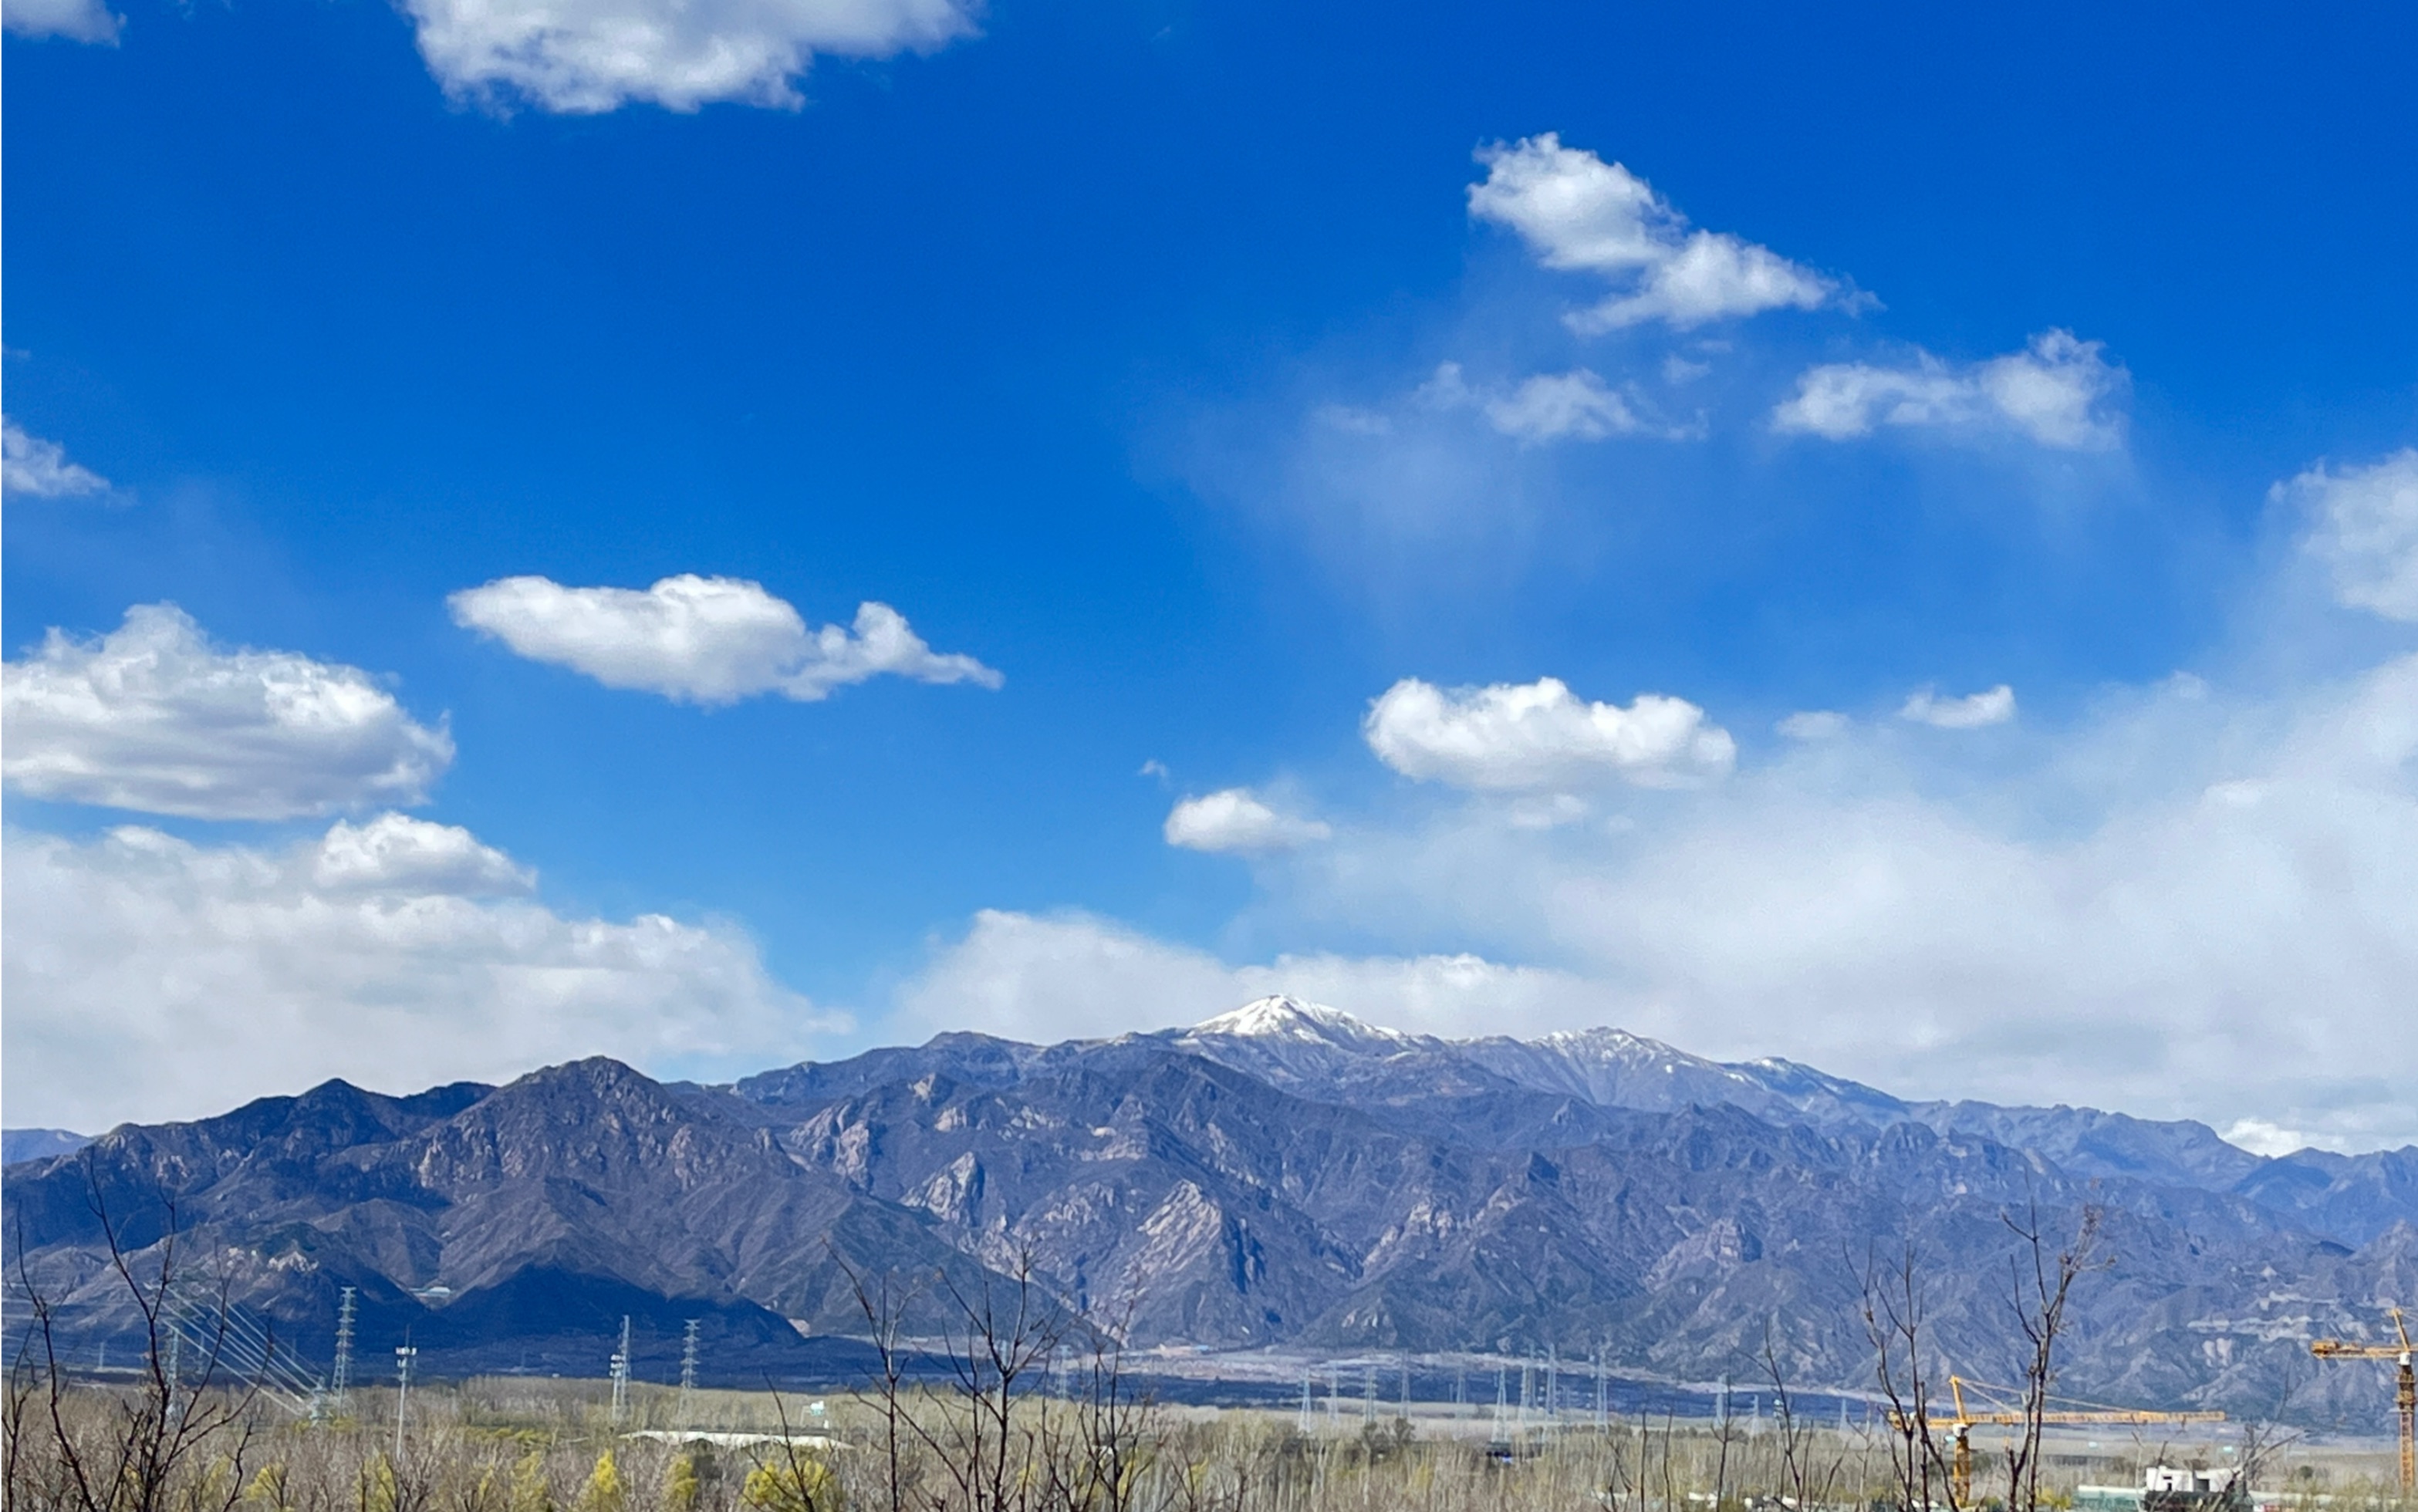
column 2405, row 1392
column 1960, row 1465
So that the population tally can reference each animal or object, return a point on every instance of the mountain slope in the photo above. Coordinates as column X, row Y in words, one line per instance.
column 1280, row 1176
column 523, row 1220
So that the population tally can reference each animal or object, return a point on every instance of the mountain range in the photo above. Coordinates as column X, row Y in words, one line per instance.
column 1285, row 1177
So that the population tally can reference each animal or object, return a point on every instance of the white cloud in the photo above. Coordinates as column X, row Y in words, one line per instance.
column 2262, row 1137
column 1814, row 725
column 28, row 464
column 589, row 55
column 2364, row 525
column 1235, row 820
column 78, row 21
column 2058, row 391
column 706, row 640
column 1994, row 706
column 1579, row 213
column 1711, row 277
column 148, row 978
column 2216, row 925
column 155, row 718
column 1553, row 406
column 1577, row 405
column 1075, row 975
column 1538, row 736
column 392, row 853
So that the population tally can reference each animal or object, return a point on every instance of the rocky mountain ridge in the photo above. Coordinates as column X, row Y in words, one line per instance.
column 1283, row 1176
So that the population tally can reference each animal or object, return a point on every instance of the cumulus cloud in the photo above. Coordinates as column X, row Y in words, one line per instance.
column 1237, row 820
column 2261, row 1136
column 705, row 640
column 1994, row 706
column 154, row 717
column 1579, row 213
column 1076, row 975
column 2225, row 934
column 29, row 464
column 1538, row 736
column 392, row 853
column 583, row 56
column 2216, row 925
column 2364, row 525
column 150, row 978
column 2058, row 391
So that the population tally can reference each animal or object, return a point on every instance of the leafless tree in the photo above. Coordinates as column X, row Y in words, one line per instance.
column 1809, row 1466
column 2265, row 1437
column 1894, row 1322
column 144, row 1452
column 1725, row 1436
column 1096, row 1455
column 1005, row 1330
column 886, row 1303
column 2040, row 1285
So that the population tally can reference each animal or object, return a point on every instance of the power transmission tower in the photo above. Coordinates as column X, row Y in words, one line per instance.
column 688, row 1369
column 621, row 1373
column 404, row 1355
column 1502, row 1406
column 1305, row 1403
column 1368, row 1394
column 341, row 1384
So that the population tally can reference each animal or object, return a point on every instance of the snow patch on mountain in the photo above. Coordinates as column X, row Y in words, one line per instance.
column 1290, row 1018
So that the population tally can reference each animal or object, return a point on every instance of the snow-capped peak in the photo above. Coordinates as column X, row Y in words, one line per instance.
column 1290, row 1018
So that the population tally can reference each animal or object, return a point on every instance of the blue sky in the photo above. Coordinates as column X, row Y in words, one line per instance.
column 1160, row 361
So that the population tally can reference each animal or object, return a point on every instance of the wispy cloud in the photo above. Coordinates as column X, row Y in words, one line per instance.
column 1978, row 710
column 1071, row 974
column 76, row 21
column 2057, row 392
column 31, row 465
column 2189, row 899
column 1545, row 407
column 2364, row 525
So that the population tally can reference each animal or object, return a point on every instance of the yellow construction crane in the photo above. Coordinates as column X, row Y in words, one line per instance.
column 1960, row 1465
column 2405, row 1392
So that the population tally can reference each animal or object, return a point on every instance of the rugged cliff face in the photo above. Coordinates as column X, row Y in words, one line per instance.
column 1282, row 1176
